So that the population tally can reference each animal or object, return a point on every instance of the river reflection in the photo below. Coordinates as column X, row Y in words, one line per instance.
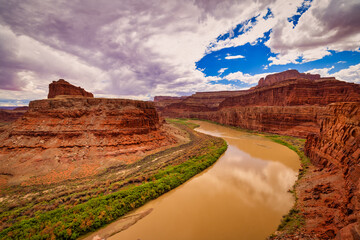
column 242, row 196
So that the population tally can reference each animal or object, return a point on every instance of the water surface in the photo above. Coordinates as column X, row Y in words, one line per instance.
column 242, row 196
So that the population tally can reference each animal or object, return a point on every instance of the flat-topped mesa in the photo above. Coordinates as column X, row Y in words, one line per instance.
column 79, row 136
column 296, row 92
column 286, row 103
column 78, row 133
column 163, row 101
column 167, row 98
column 12, row 115
column 286, row 75
column 198, row 102
column 63, row 88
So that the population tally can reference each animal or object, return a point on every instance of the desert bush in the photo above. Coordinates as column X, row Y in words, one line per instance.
column 69, row 222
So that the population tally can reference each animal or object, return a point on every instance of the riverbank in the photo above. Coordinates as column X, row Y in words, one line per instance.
column 292, row 223
column 72, row 209
column 322, row 195
column 243, row 195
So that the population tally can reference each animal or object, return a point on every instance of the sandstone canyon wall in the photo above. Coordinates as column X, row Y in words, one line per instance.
column 63, row 88
column 324, row 110
column 287, row 103
column 12, row 115
column 289, row 74
column 78, row 136
column 298, row 92
column 332, row 202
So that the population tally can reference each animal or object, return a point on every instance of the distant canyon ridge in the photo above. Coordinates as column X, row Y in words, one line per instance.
column 97, row 133
column 289, row 103
column 324, row 110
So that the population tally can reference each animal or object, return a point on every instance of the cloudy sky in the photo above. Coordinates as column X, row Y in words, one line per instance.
column 139, row 49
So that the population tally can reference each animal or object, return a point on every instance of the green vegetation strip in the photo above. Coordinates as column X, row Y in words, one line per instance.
column 294, row 220
column 72, row 222
column 183, row 121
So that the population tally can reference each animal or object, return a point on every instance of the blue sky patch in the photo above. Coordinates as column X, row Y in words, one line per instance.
column 269, row 14
column 235, row 83
column 239, row 29
column 11, row 102
column 300, row 11
column 253, row 59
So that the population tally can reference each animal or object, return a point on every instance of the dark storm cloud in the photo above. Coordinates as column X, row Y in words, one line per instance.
column 342, row 17
column 91, row 31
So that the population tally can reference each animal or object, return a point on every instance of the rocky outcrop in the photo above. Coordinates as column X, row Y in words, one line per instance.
column 198, row 102
column 62, row 87
column 293, row 120
column 12, row 115
column 339, row 137
column 324, row 110
column 298, row 92
column 286, row 75
column 78, row 137
column 287, row 103
column 330, row 194
column 163, row 101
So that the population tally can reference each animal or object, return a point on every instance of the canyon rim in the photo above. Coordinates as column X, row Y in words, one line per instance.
column 104, row 108
column 325, row 111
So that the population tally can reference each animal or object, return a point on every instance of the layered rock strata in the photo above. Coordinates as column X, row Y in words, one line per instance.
column 283, row 105
column 8, row 116
column 330, row 194
column 289, row 74
column 12, row 115
column 298, row 92
column 63, row 88
column 324, row 110
column 163, row 101
column 77, row 137
column 198, row 102
column 291, row 120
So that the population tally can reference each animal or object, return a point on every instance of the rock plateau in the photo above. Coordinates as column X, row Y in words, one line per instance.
column 289, row 74
column 74, row 137
column 12, row 115
column 286, row 103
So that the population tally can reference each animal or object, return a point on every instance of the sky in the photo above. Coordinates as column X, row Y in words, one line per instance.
column 140, row 49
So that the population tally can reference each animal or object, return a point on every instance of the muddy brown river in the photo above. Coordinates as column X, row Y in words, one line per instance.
column 242, row 196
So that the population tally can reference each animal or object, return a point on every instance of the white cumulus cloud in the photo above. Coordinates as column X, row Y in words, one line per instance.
column 234, row 57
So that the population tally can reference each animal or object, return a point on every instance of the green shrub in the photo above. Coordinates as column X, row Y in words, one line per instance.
column 70, row 223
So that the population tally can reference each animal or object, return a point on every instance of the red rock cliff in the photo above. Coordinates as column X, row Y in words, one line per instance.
column 198, row 102
column 286, row 75
column 286, row 106
column 330, row 194
column 79, row 137
column 12, row 115
column 298, row 92
column 62, row 87
column 163, row 101
column 324, row 109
